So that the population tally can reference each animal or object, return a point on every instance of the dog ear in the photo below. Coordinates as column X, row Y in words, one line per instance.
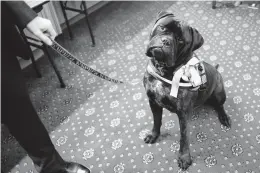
column 198, row 40
column 193, row 40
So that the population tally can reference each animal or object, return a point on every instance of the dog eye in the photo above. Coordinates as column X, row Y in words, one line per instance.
column 180, row 40
column 162, row 28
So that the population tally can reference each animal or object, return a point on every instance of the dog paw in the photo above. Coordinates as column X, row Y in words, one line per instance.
column 184, row 161
column 225, row 121
column 150, row 139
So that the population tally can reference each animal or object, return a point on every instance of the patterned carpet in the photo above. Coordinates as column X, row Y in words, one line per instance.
column 102, row 125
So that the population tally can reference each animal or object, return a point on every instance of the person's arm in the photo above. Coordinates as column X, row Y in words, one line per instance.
column 26, row 17
column 22, row 12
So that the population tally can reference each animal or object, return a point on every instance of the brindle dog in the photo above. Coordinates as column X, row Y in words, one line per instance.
column 171, row 45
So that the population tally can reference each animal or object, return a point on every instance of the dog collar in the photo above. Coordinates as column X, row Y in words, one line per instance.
column 151, row 69
column 188, row 72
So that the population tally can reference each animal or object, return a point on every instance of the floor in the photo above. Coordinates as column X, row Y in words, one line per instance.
column 102, row 125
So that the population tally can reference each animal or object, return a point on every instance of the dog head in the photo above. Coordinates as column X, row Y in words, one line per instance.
column 171, row 41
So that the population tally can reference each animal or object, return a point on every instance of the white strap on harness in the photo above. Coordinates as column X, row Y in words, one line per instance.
column 187, row 72
column 152, row 72
column 189, row 68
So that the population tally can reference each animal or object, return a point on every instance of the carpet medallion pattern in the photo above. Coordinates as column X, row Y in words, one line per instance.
column 102, row 125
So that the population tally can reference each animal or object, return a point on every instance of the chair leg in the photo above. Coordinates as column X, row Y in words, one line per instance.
column 214, row 4
column 89, row 27
column 35, row 67
column 62, row 84
column 66, row 20
column 31, row 55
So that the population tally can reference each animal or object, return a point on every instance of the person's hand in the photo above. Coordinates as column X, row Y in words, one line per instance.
column 42, row 28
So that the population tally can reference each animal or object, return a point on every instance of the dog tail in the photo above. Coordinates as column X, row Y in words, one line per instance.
column 217, row 66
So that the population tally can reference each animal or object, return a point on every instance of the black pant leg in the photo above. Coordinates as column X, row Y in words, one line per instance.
column 19, row 115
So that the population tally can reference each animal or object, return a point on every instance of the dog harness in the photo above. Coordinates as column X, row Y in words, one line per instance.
column 193, row 72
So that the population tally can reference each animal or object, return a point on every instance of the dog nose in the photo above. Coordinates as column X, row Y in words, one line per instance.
column 157, row 53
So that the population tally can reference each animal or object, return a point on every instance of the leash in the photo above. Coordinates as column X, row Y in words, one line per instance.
column 66, row 54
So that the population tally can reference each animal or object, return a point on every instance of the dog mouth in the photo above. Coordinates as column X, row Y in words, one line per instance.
column 160, row 56
column 160, row 66
column 157, row 56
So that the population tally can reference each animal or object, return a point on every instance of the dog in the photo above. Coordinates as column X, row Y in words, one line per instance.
column 171, row 46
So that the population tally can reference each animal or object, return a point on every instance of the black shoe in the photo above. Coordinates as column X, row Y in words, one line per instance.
column 71, row 167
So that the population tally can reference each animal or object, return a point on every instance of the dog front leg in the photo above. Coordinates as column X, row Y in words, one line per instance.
column 157, row 122
column 184, row 159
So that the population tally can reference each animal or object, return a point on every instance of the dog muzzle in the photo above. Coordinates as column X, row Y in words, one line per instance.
column 159, row 48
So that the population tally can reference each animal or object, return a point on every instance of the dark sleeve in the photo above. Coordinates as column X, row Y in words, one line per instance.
column 22, row 12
